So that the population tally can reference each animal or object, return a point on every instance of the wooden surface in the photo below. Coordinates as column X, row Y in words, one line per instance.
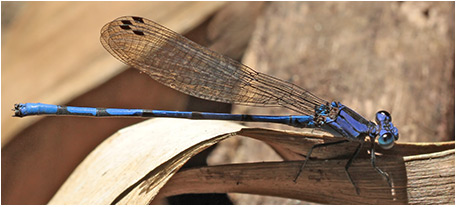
column 327, row 182
column 328, row 48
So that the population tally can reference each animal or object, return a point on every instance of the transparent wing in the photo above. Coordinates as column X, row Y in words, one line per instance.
column 183, row 65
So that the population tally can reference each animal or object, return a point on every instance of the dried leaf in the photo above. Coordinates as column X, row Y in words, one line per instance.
column 133, row 165
column 157, row 146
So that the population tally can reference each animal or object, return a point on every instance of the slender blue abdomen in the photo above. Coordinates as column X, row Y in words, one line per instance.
column 29, row 109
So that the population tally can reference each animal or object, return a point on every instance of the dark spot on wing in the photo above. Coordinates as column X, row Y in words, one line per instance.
column 126, row 22
column 125, row 27
column 138, row 19
column 138, row 32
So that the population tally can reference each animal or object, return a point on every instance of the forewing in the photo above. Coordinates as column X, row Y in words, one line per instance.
column 183, row 65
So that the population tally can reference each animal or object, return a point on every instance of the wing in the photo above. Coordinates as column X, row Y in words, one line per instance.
column 183, row 65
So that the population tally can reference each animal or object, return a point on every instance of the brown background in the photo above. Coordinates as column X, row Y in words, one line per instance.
column 368, row 55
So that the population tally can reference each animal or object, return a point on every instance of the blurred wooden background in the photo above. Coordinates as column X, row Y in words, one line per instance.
column 369, row 55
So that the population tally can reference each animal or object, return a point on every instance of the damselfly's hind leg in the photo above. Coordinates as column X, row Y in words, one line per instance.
column 311, row 150
column 349, row 163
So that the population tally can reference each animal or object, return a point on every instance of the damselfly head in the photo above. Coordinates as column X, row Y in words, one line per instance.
column 388, row 133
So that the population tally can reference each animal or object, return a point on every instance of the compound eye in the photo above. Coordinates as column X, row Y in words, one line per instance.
column 382, row 116
column 386, row 140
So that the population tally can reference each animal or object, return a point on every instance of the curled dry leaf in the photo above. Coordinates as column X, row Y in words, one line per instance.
column 139, row 164
column 155, row 148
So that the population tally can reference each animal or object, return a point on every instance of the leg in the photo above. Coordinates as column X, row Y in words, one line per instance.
column 309, row 154
column 373, row 163
column 348, row 164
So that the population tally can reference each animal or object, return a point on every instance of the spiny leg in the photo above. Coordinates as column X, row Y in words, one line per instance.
column 373, row 163
column 311, row 150
column 348, row 164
